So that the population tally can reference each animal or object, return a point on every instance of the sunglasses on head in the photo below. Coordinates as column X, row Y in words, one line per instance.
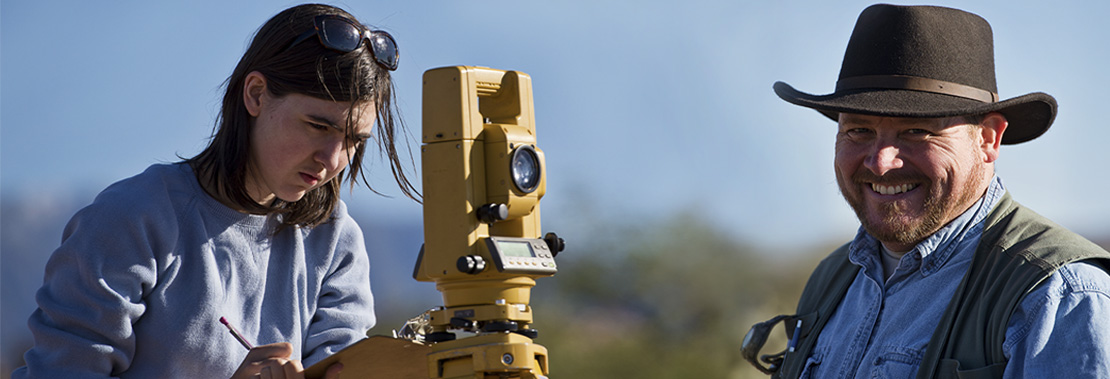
column 343, row 34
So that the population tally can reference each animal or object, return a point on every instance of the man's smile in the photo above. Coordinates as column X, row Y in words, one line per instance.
column 884, row 189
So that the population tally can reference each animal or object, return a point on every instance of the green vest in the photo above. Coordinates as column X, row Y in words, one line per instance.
column 1018, row 250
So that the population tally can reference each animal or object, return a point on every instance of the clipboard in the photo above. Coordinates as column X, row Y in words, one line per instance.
column 377, row 357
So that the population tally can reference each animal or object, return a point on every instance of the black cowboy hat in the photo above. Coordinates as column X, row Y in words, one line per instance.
column 924, row 61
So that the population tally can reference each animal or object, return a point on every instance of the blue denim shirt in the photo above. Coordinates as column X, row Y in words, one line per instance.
column 882, row 327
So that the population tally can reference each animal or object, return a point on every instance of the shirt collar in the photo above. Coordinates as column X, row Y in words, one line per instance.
column 936, row 249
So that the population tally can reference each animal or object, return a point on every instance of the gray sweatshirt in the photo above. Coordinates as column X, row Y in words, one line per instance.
column 145, row 272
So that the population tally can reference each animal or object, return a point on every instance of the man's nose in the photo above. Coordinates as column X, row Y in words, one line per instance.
column 883, row 158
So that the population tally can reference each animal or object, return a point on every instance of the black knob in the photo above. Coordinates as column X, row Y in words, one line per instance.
column 492, row 212
column 530, row 333
column 554, row 243
column 471, row 264
column 439, row 337
column 500, row 326
column 462, row 323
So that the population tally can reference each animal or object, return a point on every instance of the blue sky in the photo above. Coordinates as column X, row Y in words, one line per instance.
column 643, row 108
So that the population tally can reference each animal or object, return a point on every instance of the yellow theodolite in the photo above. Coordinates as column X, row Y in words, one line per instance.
column 483, row 180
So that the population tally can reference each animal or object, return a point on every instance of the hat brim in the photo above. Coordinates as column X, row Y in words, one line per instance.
column 1028, row 115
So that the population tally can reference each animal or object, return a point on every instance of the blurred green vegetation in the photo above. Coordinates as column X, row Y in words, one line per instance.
column 667, row 300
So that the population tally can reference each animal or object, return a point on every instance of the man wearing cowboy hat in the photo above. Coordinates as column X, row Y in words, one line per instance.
column 948, row 276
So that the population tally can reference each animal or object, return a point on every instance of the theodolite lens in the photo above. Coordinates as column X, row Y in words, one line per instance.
column 525, row 168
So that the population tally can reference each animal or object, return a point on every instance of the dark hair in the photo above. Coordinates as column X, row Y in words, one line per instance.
column 309, row 69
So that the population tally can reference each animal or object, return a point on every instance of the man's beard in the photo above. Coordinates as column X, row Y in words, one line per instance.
column 938, row 208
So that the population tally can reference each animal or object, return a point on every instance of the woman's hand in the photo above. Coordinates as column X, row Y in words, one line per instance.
column 272, row 362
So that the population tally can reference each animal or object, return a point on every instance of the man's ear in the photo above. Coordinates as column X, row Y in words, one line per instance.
column 254, row 90
column 993, row 126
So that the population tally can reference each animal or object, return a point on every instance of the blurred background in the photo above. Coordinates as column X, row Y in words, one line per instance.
column 694, row 202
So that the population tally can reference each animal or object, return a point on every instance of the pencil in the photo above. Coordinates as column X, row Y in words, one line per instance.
column 236, row 334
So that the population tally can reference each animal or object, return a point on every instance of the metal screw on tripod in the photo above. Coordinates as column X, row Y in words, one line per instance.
column 507, row 359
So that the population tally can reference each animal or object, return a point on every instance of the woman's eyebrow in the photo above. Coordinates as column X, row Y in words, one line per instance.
column 325, row 121
column 335, row 125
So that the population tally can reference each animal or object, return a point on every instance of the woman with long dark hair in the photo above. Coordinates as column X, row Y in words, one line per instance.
column 251, row 231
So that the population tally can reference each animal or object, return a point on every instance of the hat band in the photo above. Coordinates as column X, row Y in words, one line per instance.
column 917, row 84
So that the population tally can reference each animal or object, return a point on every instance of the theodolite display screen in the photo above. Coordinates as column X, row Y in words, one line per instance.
column 521, row 255
column 515, row 249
